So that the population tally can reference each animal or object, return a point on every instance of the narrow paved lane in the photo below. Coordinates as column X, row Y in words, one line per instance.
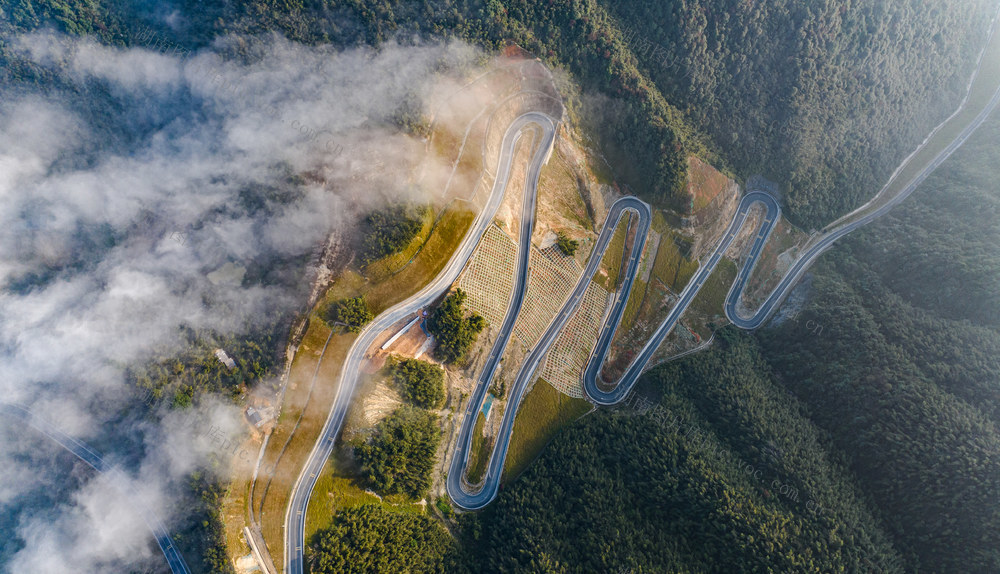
column 471, row 498
column 465, row 497
column 295, row 517
column 95, row 461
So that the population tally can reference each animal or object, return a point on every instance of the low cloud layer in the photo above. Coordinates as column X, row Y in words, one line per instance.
column 124, row 199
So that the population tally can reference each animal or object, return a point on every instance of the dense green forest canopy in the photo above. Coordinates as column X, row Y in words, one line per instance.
column 354, row 313
column 399, row 457
column 422, row 382
column 359, row 537
column 825, row 97
column 454, row 332
column 710, row 468
column 906, row 376
column 390, row 229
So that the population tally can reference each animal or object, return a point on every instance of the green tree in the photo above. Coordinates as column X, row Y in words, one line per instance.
column 390, row 230
column 422, row 382
column 567, row 245
column 454, row 331
column 399, row 457
column 352, row 312
column 371, row 539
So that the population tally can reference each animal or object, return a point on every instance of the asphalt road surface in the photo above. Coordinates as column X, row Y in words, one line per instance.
column 464, row 496
column 295, row 518
column 94, row 459
column 474, row 497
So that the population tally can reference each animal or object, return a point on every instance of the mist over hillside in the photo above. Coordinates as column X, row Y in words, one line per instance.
column 181, row 176
column 151, row 200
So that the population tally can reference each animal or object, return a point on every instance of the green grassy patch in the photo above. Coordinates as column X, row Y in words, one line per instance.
column 660, row 224
column 479, row 455
column 671, row 267
column 385, row 267
column 558, row 188
column 338, row 488
column 635, row 299
column 712, row 297
column 611, row 264
column 544, row 412
column 601, row 170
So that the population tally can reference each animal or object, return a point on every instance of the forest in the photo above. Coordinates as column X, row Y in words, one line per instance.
column 399, row 457
column 422, row 383
column 352, row 313
column 825, row 97
column 869, row 445
column 356, row 544
column 389, row 230
column 454, row 331
column 863, row 423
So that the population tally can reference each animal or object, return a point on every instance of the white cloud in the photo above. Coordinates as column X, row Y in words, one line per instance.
column 115, row 208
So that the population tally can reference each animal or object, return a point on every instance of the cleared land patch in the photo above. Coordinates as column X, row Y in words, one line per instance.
column 560, row 205
column 704, row 184
column 780, row 252
column 566, row 359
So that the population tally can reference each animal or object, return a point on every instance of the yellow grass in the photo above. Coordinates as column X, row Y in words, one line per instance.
column 543, row 413
column 303, row 415
column 612, row 262
column 479, row 454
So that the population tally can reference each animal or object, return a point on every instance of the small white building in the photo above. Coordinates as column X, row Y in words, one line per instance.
column 225, row 359
column 254, row 416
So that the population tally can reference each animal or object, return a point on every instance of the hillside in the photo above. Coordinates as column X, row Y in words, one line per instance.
column 856, row 432
column 876, row 402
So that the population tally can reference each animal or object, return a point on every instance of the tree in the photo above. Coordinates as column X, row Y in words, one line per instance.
column 352, row 312
column 371, row 539
column 399, row 457
column 390, row 230
column 454, row 331
column 422, row 382
column 567, row 245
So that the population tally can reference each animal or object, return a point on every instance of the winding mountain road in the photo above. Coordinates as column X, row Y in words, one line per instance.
column 463, row 495
column 472, row 497
column 95, row 461
column 295, row 517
